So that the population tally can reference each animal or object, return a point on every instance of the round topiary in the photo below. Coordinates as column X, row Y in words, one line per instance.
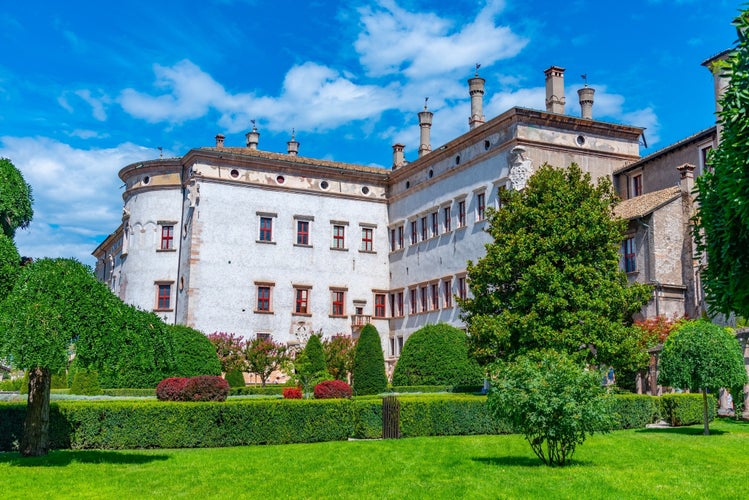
column 205, row 388
column 193, row 353
column 235, row 378
column 332, row 389
column 170, row 389
column 369, row 363
column 314, row 355
column 86, row 383
column 436, row 355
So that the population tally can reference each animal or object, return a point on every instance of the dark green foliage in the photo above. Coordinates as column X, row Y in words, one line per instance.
column 369, row 363
column 85, row 383
column 129, row 393
column 268, row 390
column 447, row 415
column 402, row 389
column 436, row 355
column 686, row 409
column 194, row 354
column 723, row 191
column 632, row 411
column 552, row 401
column 10, row 265
column 309, row 366
column 11, row 385
column 314, row 355
column 700, row 355
column 550, row 278
column 15, row 199
column 59, row 380
column 235, row 378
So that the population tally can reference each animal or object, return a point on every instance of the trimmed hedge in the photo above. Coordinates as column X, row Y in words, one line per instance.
column 268, row 390
column 86, row 383
column 130, row 393
column 635, row 410
column 686, row 409
column 453, row 415
column 369, row 363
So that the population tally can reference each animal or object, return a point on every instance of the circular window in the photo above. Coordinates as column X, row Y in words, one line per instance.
column 324, row 184
column 457, row 160
column 280, row 179
column 408, row 184
column 431, row 173
column 580, row 140
column 487, row 145
column 365, row 190
column 235, row 173
column 146, row 180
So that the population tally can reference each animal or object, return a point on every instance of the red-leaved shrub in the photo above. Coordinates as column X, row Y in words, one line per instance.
column 332, row 389
column 292, row 393
column 205, row 388
column 170, row 389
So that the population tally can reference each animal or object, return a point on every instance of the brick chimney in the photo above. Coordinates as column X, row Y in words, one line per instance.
column 398, row 158
column 555, row 90
column 686, row 182
column 220, row 140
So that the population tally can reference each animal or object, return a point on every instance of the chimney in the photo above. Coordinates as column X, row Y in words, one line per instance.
column 555, row 90
column 686, row 182
column 425, row 122
column 220, row 140
column 292, row 146
column 398, row 158
column 476, row 91
column 586, row 102
column 253, row 137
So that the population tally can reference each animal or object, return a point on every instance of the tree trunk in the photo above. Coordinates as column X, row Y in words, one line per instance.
column 35, row 441
column 704, row 411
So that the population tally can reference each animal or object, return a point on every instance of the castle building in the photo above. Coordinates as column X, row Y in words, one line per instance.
column 257, row 243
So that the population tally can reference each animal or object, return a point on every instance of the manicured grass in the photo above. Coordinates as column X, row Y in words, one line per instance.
column 652, row 463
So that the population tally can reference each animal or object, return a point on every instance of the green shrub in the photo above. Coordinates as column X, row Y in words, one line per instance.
column 437, row 355
column 129, row 393
column 86, row 383
column 194, row 354
column 268, row 390
column 369, row 363
column 11, row 385
column 24, row 387
column 633, row 411
column 367, row 417
column 235, row 378
column 686, row 409
column 403, row 389
column 447, row 415
column 59, row 380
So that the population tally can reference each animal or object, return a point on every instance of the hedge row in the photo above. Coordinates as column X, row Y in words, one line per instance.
column 268, row 390
column 156, row 424
column 403, row 389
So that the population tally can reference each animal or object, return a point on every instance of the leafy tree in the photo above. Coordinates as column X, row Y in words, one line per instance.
column 53, row 303
column 194, row 354
column 551, row 277
column 436, row 355
column 339, row 355
column 229, row 350
column 264, row 356
column 369, row 363
column 702, row 356
column 723, row 191
column 551, row 400
column 15, row 199
column 314, row 354
column 309, row 365
column 10, row 265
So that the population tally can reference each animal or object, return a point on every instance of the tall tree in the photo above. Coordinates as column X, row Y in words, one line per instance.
column 53, row 302
column 723, row 191
column 10, row 265
column 702, row 356
column 15, row 199
column 369, row 363
column 264, row 356
column 551, row 277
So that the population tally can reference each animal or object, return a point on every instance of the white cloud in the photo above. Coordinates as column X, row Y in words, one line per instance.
column 77, row 195
column 97, row 103
column 422, row 45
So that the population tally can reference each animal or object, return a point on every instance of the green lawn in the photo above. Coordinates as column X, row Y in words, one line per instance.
column 663, row 463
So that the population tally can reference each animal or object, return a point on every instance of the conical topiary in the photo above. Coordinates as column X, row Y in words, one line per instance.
column 369, row 363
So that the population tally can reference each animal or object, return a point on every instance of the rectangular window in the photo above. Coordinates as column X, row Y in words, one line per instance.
column 167, row 237
column 302, row 232
column 164, row 297
column 462, row 287
column 266, row 229
column 462, row 213
column 446, row 219
column 392, row 347
column 367, row 239
column 424, row 299
column 339, row 237
column 435, row 296
column 379, row 311
column 414, row 308
column 392, row 305
column 263, row 298
column 435, row 223
column 399, row 304
column 637, row 185
column 392, row 240
column 301, row 304
column 401, row 230
column 424, row 229
column 447, row 290
column 338, row 301
column 414, row 233
column 262, row 336
column 480, row 206
column 630, row 255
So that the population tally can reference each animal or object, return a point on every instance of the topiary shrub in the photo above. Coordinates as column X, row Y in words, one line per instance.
column 369, row 363
column 194, row 354
column 437, row 355
column 170, row 389
column 205, row 388
column 59, row 380
column 332, row 389
column 235, row 378
column 86, row 383
column 292, row 393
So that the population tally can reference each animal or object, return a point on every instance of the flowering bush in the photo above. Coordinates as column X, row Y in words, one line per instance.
column 206, row 388
column 292, row 393
column 332, row 389
column 170, row 389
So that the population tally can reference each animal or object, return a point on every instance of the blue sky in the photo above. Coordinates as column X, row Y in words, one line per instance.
column 89, row 87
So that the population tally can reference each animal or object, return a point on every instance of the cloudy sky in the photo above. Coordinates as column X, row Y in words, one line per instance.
column 89, row 87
